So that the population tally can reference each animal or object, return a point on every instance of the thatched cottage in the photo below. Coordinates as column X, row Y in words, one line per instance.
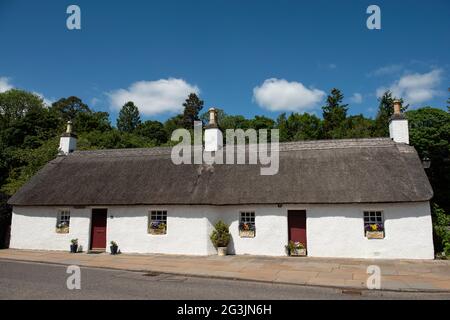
column 358, row 198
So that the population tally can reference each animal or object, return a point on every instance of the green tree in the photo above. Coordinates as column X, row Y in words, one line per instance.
column 173, row 123
column 28, row 162
column 357, row 126
column 15, row 104
column 32, row 129
column 441, row 223
column 299, row 127
column 430, row 135
column 385, row 111
column 192, row 107
column 129, row 118
column 91, row 121
column 69, row 108
column 262, row 122
column 152, row 130
column 234, row 122
column 448, row 102
column 334, row 114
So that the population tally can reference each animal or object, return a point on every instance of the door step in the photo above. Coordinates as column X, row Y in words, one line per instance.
column 96, row 251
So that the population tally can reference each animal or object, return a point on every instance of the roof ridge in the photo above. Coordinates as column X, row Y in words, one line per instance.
column 283, row 146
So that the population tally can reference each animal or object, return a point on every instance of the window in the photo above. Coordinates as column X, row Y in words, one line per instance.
column 157, row 222
column 374, row 224
column 63, row 221
column 247, row 224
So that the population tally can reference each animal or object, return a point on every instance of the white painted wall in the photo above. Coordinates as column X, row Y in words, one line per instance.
column 399, row 131
column 338, row 231
column 187, row 230
column 67, row 144
column 213, row 139
column 332, row 231
column 35, row 228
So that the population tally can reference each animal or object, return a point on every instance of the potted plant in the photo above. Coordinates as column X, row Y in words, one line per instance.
column 62, row 227
column 114, row 247
column 374, row 231
column 74, row 246
column 220, row 238
column 157, row 227
column 296, row 248
column 246, row 230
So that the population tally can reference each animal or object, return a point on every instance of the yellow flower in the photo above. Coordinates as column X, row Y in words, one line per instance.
column 374, row 227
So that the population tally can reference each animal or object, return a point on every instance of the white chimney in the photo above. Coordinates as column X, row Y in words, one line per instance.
column 213, row 135
column 398, row 125
column 68, row 141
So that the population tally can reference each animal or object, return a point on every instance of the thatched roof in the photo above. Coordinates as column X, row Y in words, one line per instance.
column 329, row 172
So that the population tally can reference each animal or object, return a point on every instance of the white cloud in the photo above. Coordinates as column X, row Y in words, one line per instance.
column 47, row 101
column 415, row 88
column 356, row 98
column 279, row 94
column 386, row 70
column 154, row 97
column 4, row 84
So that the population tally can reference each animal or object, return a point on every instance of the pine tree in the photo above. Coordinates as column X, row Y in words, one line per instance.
column 192, row 107
column 334, row 114
column 385, row 111
column 129, row 118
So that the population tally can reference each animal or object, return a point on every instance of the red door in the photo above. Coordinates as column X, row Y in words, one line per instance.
column 98, row 229
column 297, row 226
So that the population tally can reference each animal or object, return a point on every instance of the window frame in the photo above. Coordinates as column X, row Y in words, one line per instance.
column 374, row 216
column 63, row 216
column 247, row 217
column 163, row 218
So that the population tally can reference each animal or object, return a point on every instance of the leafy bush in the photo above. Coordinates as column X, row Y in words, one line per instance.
column 442, row 228
column 220, row 237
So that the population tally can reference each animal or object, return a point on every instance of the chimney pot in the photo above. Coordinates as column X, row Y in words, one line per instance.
column 397, row 107
column 69, row 127
column 212, row 117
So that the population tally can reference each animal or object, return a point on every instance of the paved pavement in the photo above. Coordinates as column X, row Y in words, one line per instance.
column 396, row 275
column 29, row 280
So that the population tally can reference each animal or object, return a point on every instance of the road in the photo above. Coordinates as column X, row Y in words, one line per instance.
column 22, row 280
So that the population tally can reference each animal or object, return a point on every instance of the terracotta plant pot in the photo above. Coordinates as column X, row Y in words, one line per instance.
column 222, row 251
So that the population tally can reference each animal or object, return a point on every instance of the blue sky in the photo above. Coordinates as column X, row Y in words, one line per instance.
column 249, row 57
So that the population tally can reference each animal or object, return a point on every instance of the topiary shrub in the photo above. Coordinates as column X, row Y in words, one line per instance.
column 221, row 236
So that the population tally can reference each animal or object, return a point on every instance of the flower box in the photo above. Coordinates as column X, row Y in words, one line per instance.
column 375, row 234
column 64, row 229
column 247, row 233
column 298, row 252
column 156, row 231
